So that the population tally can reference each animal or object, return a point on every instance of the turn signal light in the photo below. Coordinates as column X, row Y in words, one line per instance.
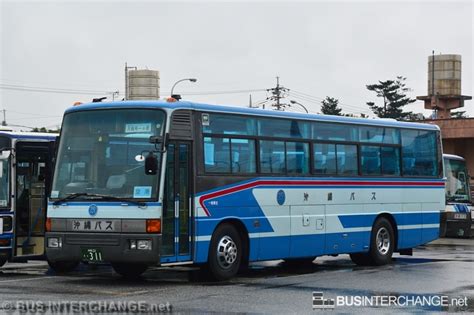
column 153, row 226
column 48, row 225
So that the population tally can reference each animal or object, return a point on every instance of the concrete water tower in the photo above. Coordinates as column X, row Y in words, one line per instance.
column 444, row 85
column 141, row 84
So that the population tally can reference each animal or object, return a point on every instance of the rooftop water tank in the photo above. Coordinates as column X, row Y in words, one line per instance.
column 446, row 75
column 142, row 85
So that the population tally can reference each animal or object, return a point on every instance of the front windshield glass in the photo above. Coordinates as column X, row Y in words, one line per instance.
column 4, row 181
column 100, row 150
column 457, row 184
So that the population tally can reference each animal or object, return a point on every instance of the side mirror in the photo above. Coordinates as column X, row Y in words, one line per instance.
column 151, row 164
column 155, row 139
column 5, row 154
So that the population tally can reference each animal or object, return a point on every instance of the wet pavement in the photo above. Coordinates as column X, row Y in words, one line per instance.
column 442, row 269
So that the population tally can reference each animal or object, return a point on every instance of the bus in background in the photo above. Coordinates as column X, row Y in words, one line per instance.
column 457, row 218
column 25, row 174
column 141, row 183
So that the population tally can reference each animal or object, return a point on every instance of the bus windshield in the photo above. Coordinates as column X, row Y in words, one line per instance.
column 4, row 181
column 101, row 152
column 457, row 184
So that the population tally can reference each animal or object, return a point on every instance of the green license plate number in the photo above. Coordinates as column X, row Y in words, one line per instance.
column 92, row 255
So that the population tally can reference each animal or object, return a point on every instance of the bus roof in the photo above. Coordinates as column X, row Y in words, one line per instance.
column 21, row 134
column 249, row 111
column 453, row 157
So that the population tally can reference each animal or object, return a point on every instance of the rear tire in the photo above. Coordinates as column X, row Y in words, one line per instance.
column 225, row 252
column 382, row 245
column 62, row 267
column 361, row 259
column 129, row 271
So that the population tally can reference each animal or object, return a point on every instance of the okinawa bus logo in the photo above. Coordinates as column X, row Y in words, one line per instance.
column 93, row 210
column 281, row 197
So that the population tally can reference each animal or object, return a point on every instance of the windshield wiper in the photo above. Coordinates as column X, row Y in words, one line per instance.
column 98, row 196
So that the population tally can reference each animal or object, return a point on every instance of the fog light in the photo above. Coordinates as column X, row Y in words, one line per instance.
column 144, row 244
column 55, row 242
column 133, row 244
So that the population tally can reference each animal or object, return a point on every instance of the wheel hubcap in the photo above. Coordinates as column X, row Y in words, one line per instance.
column 383, row 241
column 226, row 252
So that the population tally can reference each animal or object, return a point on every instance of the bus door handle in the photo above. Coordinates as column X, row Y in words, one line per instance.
column 176, row 206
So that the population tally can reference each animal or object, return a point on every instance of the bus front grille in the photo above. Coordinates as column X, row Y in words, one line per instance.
column 106, row 240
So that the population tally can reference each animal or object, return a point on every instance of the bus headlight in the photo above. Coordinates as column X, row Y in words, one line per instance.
column 55, row 242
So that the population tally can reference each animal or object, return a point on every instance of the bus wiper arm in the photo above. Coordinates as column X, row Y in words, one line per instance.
column 108, row 197
column 100, row 196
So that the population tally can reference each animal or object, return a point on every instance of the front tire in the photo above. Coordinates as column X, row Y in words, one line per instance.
column 225, row 252
column 62, row 267
column 3, row 261
column 129, row 271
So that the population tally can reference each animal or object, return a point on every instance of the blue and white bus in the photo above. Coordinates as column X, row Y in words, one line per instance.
column 25, row 175
column 456, row 219
column 141, row 183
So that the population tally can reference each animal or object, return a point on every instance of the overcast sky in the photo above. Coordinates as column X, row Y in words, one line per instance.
column 317, row 48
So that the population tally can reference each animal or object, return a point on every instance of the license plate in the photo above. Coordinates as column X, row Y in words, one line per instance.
column 93, row 225
column 92, row 254
column 460, row 216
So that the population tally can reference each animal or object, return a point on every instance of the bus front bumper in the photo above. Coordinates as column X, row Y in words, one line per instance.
column 113, row 248
column 455, row 224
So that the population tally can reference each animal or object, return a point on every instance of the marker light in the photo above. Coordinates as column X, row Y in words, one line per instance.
column 48, row 225
column 153, row 226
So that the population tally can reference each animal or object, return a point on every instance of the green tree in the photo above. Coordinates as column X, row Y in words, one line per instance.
column 458, row 114
column 394, row 94
column 329, row 106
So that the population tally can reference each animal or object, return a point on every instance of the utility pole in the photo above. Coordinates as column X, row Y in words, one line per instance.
column 277, row 94
column 4, row 122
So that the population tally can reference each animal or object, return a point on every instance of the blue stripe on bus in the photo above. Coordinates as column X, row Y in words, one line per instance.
column 367, row 220
column 365, row 179
column 279, row 247
column 102, row 203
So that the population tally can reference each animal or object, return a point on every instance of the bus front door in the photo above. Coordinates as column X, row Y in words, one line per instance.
column 33, row 170
column 176, row 240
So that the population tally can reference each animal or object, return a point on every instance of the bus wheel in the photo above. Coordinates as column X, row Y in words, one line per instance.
column 63, row 266
column 3, row 261
column 361, row 259
column 225, row 252
column 129, row 271
column 382, row 242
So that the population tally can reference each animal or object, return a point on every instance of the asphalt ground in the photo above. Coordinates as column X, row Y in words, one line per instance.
column 442, row 271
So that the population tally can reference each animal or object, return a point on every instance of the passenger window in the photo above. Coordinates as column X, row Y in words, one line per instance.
column 283, row 128
column 370, row 160
column 390, row 160
column 243, row 156
column 419, row 153
column 346, row 159
column 338, row 132
column 297, row 157
column 272, row 157
column 217, row 155
column 228, row 124
column 324, row 158
column 379, row 135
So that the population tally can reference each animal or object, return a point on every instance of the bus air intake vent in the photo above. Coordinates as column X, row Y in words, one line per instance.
column 181, row 125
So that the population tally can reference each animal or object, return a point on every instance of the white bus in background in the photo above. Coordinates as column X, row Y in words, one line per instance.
column 457, row 218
